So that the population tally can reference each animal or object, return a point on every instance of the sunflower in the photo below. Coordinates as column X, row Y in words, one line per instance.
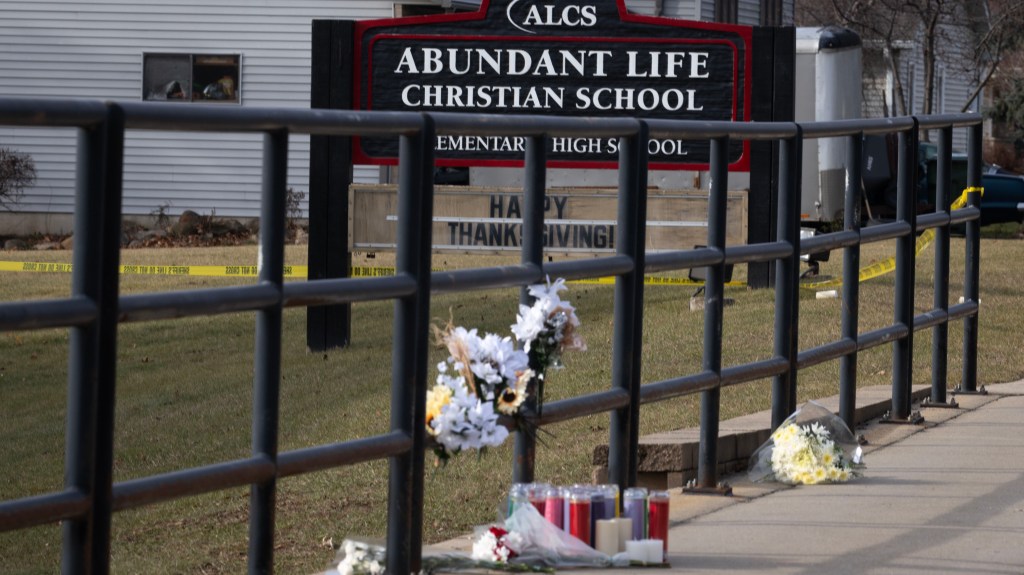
column 514, row 395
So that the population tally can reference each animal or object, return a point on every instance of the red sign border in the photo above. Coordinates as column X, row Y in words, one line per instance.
column 744, row 32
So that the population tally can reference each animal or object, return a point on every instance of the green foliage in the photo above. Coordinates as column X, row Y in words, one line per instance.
column 184, row 399
column 17, row 172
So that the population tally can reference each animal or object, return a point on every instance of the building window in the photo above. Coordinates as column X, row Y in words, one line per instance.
column 192, row 77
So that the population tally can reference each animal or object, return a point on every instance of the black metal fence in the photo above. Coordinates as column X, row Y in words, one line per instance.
column 95, row 309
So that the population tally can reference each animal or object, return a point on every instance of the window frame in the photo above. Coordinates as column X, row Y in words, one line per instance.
column 156, row 75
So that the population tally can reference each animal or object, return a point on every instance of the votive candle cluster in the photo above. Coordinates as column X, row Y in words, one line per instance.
column 591, row 514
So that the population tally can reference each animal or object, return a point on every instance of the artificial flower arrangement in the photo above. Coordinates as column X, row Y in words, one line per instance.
column 812, row 446
column 497, row 545
column 358, row 558
column 485, row 377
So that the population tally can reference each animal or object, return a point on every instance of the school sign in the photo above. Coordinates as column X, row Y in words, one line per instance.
column 558, row 57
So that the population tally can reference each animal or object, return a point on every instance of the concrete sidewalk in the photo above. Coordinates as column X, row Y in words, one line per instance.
column 946, row 496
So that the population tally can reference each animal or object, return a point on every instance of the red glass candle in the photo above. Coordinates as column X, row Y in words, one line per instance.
column 554, row 507
column 579, row 516
column 538, row 496
column 657, row 517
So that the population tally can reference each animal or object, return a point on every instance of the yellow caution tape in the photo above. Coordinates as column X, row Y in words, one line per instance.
column 34, row 267
column 289, row 272
column 156, row 270
column 885, row 266
column 866, row 273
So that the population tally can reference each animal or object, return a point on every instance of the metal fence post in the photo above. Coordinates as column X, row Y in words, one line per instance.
column 534, row 188
column 851, row 281
column 424, row 252
column 787, row 275
column 267, row 384
column 903, row 311
column 83, row 352
column 714, row 290
column 408, row 379
column 972, row 271
column 109, row 290
column 624, row 429
column 940, row 301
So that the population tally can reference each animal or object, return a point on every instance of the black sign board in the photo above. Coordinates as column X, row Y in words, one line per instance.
column 560, row 57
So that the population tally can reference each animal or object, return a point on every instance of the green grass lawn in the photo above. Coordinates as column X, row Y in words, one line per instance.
column 184, row 399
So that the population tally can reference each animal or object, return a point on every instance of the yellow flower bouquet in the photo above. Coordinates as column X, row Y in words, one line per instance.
column 812, row 446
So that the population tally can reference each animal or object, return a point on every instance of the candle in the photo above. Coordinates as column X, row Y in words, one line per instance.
column 565, row 505
column 645, row 551
column 634, row 506
column 596, row 511
column 537, row 494
column 607, row 537
column 579, row 516
column 635, row 551
column 554, row 507
column 516, row 497
column 653, row 552
column 624, row 526
column 657, row 521
column 611, row 496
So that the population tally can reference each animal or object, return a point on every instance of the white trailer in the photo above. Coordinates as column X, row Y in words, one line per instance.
column 827, row 87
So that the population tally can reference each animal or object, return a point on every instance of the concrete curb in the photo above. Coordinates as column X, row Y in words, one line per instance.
column 668, row 460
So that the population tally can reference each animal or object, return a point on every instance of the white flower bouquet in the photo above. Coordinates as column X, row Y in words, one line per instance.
column 482, row 378
column 360, row 558
column 547, row 329
column 812, row 446
column 486, row 377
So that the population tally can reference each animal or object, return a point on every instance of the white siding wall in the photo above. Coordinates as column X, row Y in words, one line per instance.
column 93, row 49
column 951, row 90
column 748, row 11
column 953, row 84
column 645, row 7
column 682, row 9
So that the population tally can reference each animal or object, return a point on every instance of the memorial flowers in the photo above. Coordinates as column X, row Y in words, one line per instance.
column 547, row 329
column 487, row 376
column 361, row 559
column 812, row 446
column 497, row 545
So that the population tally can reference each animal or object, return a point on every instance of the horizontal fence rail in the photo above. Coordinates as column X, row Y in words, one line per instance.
column 95, row 307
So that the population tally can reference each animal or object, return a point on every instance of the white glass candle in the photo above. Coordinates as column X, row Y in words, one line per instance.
column 625, row 525
column 635, row 551
column 607, row 538
column 653, row 551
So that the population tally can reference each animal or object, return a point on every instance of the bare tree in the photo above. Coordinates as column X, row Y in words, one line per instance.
column 970, row 36
column 996, row 42
column 882, row 23
column 17, row 172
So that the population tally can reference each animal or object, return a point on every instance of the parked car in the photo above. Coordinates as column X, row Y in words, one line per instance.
column 1004, row 190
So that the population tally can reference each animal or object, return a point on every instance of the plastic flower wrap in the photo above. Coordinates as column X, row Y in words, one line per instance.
column 525, row 543
column 812, row 446
column 539, row 546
